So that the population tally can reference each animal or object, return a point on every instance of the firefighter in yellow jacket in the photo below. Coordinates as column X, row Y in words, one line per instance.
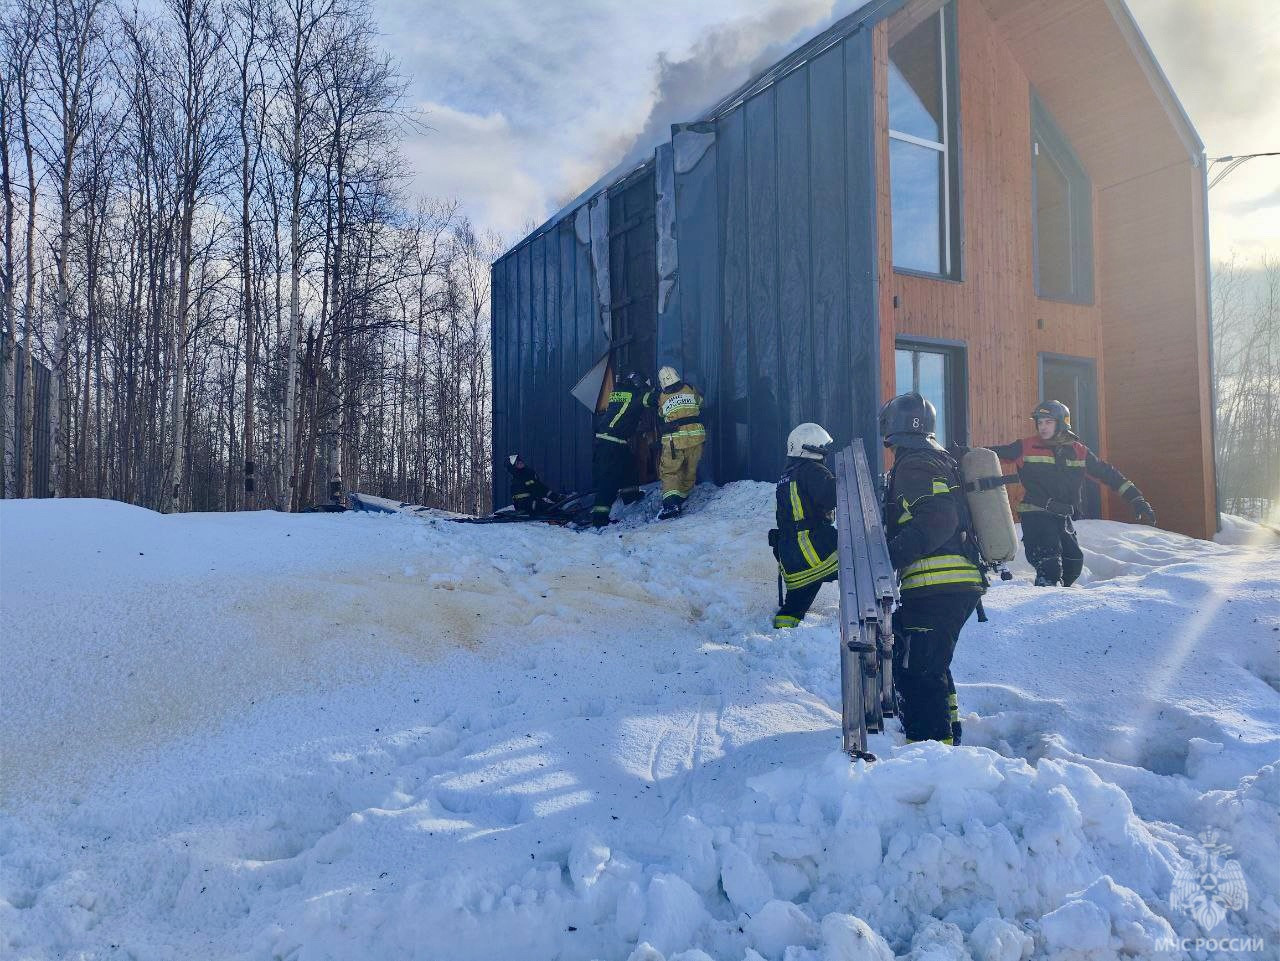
column 679, row 412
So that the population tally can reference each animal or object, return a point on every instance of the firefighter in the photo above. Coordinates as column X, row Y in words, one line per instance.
column 529, row 494
column 934, row 552
column 679, row 412
column 612, row 466
column 804, row 541
column 1052, row 467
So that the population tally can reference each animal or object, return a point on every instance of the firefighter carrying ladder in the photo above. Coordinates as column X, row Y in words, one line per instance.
column 868, row 597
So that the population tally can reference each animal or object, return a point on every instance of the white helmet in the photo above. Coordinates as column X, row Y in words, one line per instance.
column 809, row 440
column 668, row 377
column 512, row 458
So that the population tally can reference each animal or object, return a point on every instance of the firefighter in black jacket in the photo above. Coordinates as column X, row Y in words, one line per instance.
column 805, row 540
column 529, row 494
column 1052, row 467
column 932, row 549
column 612, row 467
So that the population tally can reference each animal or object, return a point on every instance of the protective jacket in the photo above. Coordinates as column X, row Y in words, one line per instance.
column 618, row 421
column 806, row 500
column 925, row 524
column 679, row 411
column 1052, row 472
column 527, row 489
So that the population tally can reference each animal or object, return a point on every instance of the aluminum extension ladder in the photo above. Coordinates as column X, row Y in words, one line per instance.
column 868, row 598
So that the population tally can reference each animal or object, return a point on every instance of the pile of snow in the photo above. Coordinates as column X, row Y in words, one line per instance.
column 1240, row 530
column 260, row 736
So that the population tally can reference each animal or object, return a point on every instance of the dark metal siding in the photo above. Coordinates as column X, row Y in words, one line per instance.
column 773, row 313
column 633, row 272
column 794, row 263
column 766, row 383
column 732, row 429
column 698, row 243
column 546, row 334
column 794, row 284
column 863, row 294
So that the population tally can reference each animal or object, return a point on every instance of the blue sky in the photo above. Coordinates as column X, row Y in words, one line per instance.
column 530, row 103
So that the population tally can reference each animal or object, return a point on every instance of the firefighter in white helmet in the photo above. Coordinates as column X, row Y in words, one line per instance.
column 678, row 407
column 804, row 541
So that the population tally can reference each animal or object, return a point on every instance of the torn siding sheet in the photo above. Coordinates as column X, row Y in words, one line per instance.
column 588, row 389
column 582, row 225
column 666, row 224
column 668, row 344
column 600, row 261
column 691, row 142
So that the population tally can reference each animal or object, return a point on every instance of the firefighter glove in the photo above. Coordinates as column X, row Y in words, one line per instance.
column 1144, row 512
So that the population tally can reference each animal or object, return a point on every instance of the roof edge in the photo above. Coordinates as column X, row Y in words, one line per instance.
column 1160, row 84
column 615, row 176
column 869, row 14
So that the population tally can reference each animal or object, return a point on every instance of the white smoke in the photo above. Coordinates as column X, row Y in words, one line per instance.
column 716, row 64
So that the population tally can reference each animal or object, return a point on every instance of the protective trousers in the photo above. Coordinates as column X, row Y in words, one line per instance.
column 678, row 468
column 612, row 471
column 926, row 629
column 806, row 560
column 798, row 601
column 1052, row 548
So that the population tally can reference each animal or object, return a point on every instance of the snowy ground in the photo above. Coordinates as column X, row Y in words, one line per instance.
column 314, row 737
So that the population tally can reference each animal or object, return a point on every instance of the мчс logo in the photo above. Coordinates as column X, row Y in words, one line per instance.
column 1208, row 885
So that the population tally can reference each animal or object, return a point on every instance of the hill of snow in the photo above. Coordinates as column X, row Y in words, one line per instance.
column 261, row 736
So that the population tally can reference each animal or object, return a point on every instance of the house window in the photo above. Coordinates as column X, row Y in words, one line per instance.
column 936, row 371
column 1062, row 208
column 923, row 181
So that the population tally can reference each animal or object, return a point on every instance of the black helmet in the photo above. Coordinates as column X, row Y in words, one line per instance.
column 1056, row 410
column 908, row 421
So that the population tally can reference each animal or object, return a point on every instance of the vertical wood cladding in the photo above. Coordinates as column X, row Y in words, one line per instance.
column 1146, row 329
column 1156, row 343
column 993, row 308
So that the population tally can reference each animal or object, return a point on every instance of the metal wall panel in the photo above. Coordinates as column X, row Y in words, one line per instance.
column 698, row 275
column 861, row 238
column 794, row 226
column 829, row 264
column 568, row 350
column 767, row 386
column 513, row 361
column 670, row 331
column 536, row 442
column 555, row 347
column 590, row 344
column 735, row 382
column 524, row 359
column 633, row 272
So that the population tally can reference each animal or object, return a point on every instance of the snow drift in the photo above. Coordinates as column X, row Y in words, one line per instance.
column 260, row 736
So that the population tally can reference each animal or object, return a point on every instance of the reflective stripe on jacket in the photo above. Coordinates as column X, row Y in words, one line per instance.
column 927, row 544
column 805, row 498
column 618, row 421
column 1054, row 471
column 679, row 410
